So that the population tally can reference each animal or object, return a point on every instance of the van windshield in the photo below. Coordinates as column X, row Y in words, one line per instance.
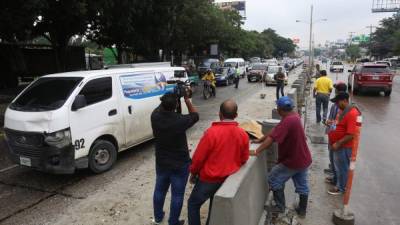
column 46, row 94
column 230, row 64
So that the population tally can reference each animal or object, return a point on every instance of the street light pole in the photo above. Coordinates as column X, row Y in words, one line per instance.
column 310, row 47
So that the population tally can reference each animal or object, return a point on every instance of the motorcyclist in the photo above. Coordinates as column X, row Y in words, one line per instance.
column 209, row 76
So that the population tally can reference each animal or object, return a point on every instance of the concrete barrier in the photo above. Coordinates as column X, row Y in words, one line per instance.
column 241, row 199
column 292, row 93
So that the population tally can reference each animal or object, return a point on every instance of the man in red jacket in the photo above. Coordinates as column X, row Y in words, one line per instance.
column 222, row 150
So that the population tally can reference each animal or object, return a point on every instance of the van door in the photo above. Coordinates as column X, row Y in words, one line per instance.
column 141, row 93
column 99, row 117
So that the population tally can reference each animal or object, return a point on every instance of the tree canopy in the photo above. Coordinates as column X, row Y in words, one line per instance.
column 143, row 28
column 386, row 38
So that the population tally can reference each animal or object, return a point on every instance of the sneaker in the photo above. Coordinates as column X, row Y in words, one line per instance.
column 334, row 191
column 153, row 220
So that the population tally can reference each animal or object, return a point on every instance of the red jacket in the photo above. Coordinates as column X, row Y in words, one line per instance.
column 222, row 150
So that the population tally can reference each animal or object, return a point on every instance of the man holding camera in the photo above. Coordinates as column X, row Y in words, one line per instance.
column 172, row 155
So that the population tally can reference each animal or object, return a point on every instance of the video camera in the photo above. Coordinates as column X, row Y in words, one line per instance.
column 182, row 89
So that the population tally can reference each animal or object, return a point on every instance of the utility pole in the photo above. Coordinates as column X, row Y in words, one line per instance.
column 310, row 47
column 370, row 40
column 351, row 37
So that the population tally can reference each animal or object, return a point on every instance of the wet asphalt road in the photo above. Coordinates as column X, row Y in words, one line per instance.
column 376, row 191
column 30, row 196
column 375, row 197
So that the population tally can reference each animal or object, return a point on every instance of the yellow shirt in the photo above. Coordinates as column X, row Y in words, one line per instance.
column 323, row 85
column 210, row 77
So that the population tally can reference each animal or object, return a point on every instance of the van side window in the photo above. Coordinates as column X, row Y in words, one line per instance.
column 97, row 90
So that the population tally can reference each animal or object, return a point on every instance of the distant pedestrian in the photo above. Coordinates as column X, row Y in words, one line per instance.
column 342, row 141
column 222, row 150
column 237, row 77
column 294, row 157
column 322, row 90
column 172, row 155
column 279, row 77
column 317, row 71
column 331, row 123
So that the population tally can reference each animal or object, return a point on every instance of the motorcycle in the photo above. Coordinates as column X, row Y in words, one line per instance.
column 207, row 89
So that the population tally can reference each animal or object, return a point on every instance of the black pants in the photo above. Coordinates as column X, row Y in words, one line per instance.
column 237, row 82
column 213, row 90
column 279, row 87
column 202, row 191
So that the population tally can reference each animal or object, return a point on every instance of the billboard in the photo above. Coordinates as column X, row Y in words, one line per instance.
column 239, row 6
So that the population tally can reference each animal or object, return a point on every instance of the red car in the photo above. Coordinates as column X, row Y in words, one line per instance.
column 371, row 77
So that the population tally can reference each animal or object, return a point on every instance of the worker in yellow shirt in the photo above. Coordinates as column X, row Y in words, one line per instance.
column 210, row 77
column 322, row 91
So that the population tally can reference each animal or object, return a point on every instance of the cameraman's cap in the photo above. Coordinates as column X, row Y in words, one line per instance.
column 285, row 103
column 340, row 96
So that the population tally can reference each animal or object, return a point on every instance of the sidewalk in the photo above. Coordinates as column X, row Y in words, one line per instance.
column 321, row 205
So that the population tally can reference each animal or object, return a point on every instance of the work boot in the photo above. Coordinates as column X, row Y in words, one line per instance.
column 279, row 198
column 301, row 209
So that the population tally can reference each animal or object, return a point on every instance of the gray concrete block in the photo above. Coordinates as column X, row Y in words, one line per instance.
column 241, row 199
column 275, row 114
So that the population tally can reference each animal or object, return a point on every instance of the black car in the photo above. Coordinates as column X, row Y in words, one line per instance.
column 257, row 73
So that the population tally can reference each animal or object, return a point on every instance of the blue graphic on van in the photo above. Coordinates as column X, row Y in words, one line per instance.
column 144, row 85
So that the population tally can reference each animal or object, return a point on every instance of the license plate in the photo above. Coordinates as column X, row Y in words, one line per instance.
column 375, row 78
column 25, row 161
column 253, row 79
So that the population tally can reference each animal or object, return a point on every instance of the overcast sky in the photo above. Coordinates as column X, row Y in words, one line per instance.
column 343, row 16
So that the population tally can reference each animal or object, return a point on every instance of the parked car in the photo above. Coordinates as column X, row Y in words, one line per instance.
column 272, row 70
column 237, row 63
column 213, row 64
column 222, row 77
column 258, row 72
column 371, row 77
column 336, row 66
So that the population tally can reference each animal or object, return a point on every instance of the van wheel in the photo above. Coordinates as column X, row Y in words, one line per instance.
column 102, row 156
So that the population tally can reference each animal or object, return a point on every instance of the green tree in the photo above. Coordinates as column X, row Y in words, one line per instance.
column 58, row 22
column 17, row 19
column 385, row 40
column 353, row 51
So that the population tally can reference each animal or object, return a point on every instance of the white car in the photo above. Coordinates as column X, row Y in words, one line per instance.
column 82, row 119
column 336, row 66
column 272, row 70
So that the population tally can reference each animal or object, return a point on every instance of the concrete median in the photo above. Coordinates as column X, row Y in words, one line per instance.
column 241, row 198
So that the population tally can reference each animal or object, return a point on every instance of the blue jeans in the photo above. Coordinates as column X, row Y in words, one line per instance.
column 341, row 158
column 202, row 191
column 280, row 174
column 332, row 162
column 321, row 100
column 280, row 88
column 177, row 179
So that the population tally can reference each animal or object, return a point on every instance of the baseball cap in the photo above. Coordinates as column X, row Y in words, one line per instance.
column 340, row 96
column 285, row 103
column 340, row 86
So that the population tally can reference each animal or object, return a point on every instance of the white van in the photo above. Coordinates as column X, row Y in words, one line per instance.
column 72, row 120
column 237, row 63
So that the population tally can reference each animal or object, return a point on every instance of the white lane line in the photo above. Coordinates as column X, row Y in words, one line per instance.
column 9, row 168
